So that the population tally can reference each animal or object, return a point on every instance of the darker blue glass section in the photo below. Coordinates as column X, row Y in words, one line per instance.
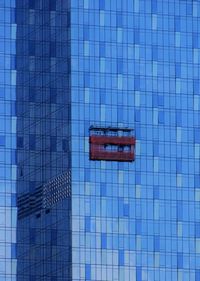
column 32, row 142
column 14, row 250
column 156, row 148
column 103, row 240
column 178, row 70
column 156, row 192
column 179, row 165
column 103, row 189
column 101, row 4
column 138, row 227
column 87, row 224
column 13, row 200
column 197, row 275
column 137, row 115
column 88, row 271
column 178, row 118
column 138, row 273
column 54, row 236
column 138, row 178
column 177, row 23
column 197, row 230
column 196, row 86
column 2, row 140
column 136, row 36
column 179, row 211
column 196, row 181
column 121, row 257
column 161, row 117
column 52, row 5
column 126, row 210
column 32, row 4
column 155, row 53
column 180, row 260
column 53, row 144
column 196, row 135
column 119, row 19
column 87, row 175
column 156, row 243
column 195, row 40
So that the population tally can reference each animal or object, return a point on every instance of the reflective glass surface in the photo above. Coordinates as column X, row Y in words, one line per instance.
column 136, row 64
column 66, row 66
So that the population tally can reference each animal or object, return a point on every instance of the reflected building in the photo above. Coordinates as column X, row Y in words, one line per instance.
column 43, row 137
column 99, row 140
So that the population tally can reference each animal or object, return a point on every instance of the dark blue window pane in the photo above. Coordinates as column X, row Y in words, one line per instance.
column 32, row 233
column 197, row 135
column 14, row 200
column 179, row 210
column 195, row 40
column 87, row 224
column 53, row 49
column 179, row 166
column 178, row 118
column 156, row 148
column 2, row 92
column 138, row 178
column 53, row 144
column 154, row 6
column 103, row 189
column 88, row 271
column 161, row 118
column 196, row 86
column 126, row 210
column 197, row 230
column 102, row 49
column 20, row 142
column 14, row 250
column 52, row 5
column 104, row 240
column 87, row 175
column 121, row 257
column 154, row 53
column 32, row 4
column 196, row 181
column 178, row 70
column 160, row 100
column 138, row 227
column 138, row 273
column 156, row 192
column 54, row 233
column 180, row 260
column 119, row 19
column 101, row 4
column 156, row 243
column 65, row 145
column 2, row 140
column 137, row 37
column 177, row 23
column 155, row 100
column 120, row 66
column 137, row 83
column 32, row 142
column 197, row 275
column 31, row 48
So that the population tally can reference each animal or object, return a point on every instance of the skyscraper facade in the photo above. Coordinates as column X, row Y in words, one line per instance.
column 99, row 140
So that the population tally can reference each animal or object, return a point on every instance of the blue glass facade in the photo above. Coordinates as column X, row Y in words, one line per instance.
column 136, row 64
column 66, row 66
